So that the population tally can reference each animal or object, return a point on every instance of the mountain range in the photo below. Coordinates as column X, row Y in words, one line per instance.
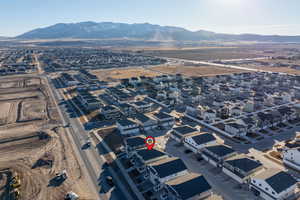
column 145, row 31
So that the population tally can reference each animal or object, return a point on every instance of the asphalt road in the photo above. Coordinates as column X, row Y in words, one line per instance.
column 90, row 157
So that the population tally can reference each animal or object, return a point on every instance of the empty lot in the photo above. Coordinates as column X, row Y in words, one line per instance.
column 26, row 111
column 113, row 74
column 207, row 53
column 196, row 70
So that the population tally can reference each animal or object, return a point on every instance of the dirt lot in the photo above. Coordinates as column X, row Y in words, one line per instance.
column 111, row 75
column 33, row 110
column 196, row 71
column 33, row 156
column 4, row 107
column 207, row 53
column 277, row 69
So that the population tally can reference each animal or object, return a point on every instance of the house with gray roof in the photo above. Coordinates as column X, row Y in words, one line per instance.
column 216, row 154
column 241, row 168
column 273, row 184
column 128, row 127
column 197, row 142
column 191, row 186
column 167, row 169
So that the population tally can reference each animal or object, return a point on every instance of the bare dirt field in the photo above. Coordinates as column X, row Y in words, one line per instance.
column 33, row 110
column 35, row 147
column 4, row 107
column 277, row 69
column 9, row 84
column 111, row 75
column 196, row 71
column 33, row 82
column 207, row 53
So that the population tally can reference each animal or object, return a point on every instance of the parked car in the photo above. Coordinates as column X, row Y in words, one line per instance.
column 187, row 151
column 109, row 181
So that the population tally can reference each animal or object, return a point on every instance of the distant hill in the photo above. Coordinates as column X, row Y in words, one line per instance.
column 146, row 31
column 4, row 38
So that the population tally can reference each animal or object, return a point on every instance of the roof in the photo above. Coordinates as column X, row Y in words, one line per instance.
column 183, row 130
column 244, row 164
column 248, row 120
column 220, row 150
column 203, row 138
column 141, row 117
column 126, row 122
column 135, row 141
column 140, row 103
column 281, row 181
column 236, row 125
column 150, row 155
column 190, row 185
column 162, row 115
column 168, row 167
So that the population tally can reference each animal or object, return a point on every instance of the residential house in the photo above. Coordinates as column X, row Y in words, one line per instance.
column 209, row 115
column 128, row 127
column 142, row 106
column 127, row 109
column 140, row 158
column 241, row 169
column 236, row 111
column 180, row 132
column 148, row 157
column 235, row 129
column 274, row 184
column 146, row 123
column 68, row 79
column 134, row 143
column 250, row 122
column 88, row 101
column 216, row 154
column 291, row 158
column 286, row 113
column 110, row 112
column 264, row 120
column 199, row 141
column 164, row 120
column 167, row 169
column 249, row 106
column 189, row 187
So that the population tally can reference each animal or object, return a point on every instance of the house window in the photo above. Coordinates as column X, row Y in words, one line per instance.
column 273, row 193
column 254, row 181
column 267, row 189
column 259, row 184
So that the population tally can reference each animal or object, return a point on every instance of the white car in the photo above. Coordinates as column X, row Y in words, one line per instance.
column 71, row 196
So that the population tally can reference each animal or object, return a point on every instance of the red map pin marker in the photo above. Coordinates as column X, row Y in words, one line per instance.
column 150, row 142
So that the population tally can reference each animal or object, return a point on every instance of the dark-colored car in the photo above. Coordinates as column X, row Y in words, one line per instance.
column 110, row 181
column 187, row 151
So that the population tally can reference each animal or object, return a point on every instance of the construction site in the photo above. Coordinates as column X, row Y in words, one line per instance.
column 37, row 160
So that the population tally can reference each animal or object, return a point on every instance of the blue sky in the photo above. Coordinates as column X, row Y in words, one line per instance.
column 224, row 16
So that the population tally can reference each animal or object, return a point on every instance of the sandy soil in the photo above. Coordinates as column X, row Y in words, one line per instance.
column 4, row 109
column 35, row 180
column 19, row 95
column 33, row 110
column 196, row 71
column 277, row 69
column 33, row 81
column 20, row 148
column 207, row 53
column 110, row 75
column 9, row 84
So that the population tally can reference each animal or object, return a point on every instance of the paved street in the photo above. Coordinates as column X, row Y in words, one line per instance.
column 91, row 157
